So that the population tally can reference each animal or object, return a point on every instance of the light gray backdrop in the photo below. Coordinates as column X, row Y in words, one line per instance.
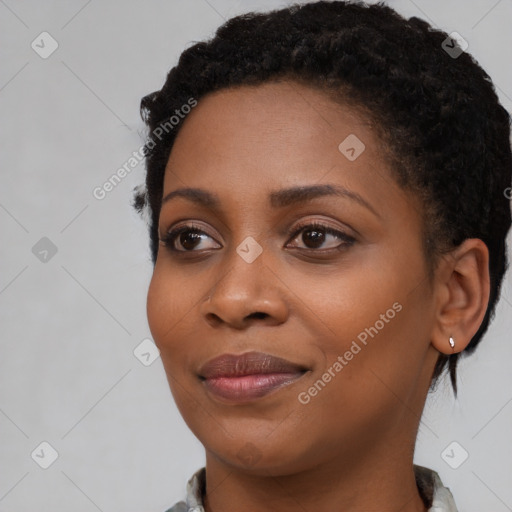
column 75, row 269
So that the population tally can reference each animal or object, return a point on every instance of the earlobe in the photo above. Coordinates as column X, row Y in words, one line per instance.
column 462, row 290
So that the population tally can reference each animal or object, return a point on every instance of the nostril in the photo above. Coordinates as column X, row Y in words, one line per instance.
column 257, row 315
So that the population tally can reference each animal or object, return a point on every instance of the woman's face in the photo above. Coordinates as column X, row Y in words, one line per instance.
column 352, row 307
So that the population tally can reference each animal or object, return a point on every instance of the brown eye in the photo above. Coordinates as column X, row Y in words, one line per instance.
column 315, row 235
column 188, row 237
column 313, row 238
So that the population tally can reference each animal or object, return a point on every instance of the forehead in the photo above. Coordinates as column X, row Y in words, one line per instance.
column 252, row 139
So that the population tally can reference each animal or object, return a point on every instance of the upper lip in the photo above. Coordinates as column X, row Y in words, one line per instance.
column 249, row 363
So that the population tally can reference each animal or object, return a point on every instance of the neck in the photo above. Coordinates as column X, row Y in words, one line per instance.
column 377, row 482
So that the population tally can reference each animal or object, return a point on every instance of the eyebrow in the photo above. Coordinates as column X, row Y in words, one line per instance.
column 277, row 199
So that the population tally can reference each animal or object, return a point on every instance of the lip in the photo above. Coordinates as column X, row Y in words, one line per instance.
column 248, row 376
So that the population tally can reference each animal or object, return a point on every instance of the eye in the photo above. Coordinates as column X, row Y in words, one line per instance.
column 188, row 237
column 317, row 234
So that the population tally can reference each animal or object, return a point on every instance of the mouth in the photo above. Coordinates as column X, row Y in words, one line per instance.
column 249, row 376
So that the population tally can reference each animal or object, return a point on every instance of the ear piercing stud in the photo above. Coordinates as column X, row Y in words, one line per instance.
column 452, row 342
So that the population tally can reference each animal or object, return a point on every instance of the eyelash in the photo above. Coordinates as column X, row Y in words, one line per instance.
column 169, row 239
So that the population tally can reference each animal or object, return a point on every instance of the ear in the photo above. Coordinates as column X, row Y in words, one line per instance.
column 462, row 295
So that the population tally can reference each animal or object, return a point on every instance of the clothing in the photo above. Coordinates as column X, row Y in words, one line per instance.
column 435, row 495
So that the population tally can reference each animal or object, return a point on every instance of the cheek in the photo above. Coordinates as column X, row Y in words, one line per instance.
column 157, row 305
column 346, row 303
column 172, row 307
column 379, row 318
column 166, row 305
column 383, row 350
column 169, row 313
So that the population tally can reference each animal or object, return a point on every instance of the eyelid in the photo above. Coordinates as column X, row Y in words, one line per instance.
column 191, row 224
column 321, row 223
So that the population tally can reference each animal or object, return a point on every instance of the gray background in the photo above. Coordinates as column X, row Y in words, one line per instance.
column 70, row 324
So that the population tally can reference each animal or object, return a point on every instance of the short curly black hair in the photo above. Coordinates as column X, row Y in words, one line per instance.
column 436, row 113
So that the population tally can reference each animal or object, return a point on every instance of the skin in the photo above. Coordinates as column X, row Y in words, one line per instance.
column 351, row 447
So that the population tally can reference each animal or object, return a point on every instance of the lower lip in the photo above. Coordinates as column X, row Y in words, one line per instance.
column 249, row 387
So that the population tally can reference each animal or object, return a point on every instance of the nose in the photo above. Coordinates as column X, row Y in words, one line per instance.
column 246, row 293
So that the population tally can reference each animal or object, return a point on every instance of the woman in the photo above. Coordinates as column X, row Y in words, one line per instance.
column 326, row 186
